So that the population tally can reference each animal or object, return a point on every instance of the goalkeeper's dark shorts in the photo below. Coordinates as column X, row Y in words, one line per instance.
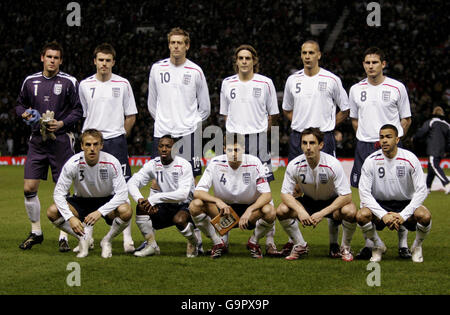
column 42, row 154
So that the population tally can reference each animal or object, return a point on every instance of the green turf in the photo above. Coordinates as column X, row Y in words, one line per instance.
column 43, row 270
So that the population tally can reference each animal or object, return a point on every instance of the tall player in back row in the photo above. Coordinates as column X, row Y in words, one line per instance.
column 109, row 106
column 248, row 101
column 311, row 96
column 375, row 101
column 178, row 98
column 55, row 91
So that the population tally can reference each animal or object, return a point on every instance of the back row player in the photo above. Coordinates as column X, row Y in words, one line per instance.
column 375, row 101
column 55, row 91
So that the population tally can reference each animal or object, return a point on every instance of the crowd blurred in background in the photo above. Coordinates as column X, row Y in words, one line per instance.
column 412, row 35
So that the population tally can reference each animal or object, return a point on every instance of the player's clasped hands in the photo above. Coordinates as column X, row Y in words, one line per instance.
column 393, row 220
column 305, row 219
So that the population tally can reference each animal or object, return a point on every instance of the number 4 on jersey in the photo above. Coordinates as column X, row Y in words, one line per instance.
column 223, row 180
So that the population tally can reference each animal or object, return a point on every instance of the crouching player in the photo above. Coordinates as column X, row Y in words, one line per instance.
column 100, row 190
column 326, row 191
column 392, row 190
column 170, row 205
column 239, row 182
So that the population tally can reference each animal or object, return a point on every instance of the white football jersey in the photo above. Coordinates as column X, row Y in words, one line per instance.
column 377, row 105
column 247, row 104
column 313, row 100
column 101, row 180
column 105, row 104
column 400, row 178
column 178, row 98
column 175, row 180
column 243, row 185
column 327, row 180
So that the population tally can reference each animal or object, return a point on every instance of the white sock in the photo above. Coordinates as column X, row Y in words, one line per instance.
column 348, row 229
column 117, row 226
column 226, row 238
column 333, row 231
column 88, row 231
column 402, row 237
column 62, row 235
column 270, row 235
column 203, row 222
column 261, row 229
column 292, row 229
column 189, row 234
column 64, row 225
column 146, row 227
column 370, row 232
column 127, row 238
column 421, row 234
column 198, row 234
column 33, row 208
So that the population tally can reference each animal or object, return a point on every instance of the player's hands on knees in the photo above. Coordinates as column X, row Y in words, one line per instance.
column 305, row 218
column 92, row 218
column 153, row 209
column 244, row 219
column 144, row 204
column 76, row 226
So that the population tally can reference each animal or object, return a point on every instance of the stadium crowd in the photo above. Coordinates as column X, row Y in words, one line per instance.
column 410, row 35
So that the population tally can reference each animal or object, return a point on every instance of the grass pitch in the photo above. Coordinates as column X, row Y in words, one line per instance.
column 43, row 270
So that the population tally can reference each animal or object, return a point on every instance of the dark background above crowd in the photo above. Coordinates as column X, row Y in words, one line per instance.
column 412, row 34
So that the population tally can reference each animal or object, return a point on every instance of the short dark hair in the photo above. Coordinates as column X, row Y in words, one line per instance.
column 252, row 50
column 313, row 131
column 311, row 41
column 167, row 136
column 375, row 51
column 54, row 45
column 389, row 126
column 93, row 133
column 105, row 48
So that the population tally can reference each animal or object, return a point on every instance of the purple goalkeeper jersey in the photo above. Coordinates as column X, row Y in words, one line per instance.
column 58, row 94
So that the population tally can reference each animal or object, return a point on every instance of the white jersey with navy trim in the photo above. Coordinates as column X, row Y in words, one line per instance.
column 105, row 104
column 175, row 180
column 400, row 178
column 101, row 180
column 327, row 180
column 243, row 185
column 313, row 100
column 377, row 105
column 248, row 104
column 178, row 97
